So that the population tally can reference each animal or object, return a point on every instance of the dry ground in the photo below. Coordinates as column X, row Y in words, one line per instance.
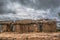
column 30, row 36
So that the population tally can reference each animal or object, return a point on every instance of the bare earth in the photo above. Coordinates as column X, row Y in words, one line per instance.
column 30, row 36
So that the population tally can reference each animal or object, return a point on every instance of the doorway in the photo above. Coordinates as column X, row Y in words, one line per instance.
column 40, row 27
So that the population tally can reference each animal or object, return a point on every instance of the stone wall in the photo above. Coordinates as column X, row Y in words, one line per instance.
column 49, row 26
column 28, row 26
column 25, row 28
column 6, row 26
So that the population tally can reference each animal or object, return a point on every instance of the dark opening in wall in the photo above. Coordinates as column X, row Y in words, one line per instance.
column 12, row 28
column 0, row 28
column 40, row 27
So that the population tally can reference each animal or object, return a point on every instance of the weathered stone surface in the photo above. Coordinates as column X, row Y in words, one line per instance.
column 17, row 28
column 28, row 26
column 49, row 26
column 4, row 28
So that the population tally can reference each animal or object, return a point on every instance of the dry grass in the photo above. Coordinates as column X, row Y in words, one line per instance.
column 30, row 36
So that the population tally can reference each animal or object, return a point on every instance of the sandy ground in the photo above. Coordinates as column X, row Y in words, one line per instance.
column 31, row 36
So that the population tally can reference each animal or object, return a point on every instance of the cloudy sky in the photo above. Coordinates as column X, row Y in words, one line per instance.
column 29, row 9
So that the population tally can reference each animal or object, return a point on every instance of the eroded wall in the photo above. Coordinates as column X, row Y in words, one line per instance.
column 28, row 26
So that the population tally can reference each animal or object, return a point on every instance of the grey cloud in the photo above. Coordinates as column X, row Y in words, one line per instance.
column 35, row 4
column 40, row 4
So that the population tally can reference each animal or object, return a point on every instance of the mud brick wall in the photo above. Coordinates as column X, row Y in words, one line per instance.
column 4, row 28
column 9, row 29
column 30, row 28
column 46, row 27
column 25, row 28
column 33, row 28
column 49, row 26
column 17, row 28
column 53, row 25
column 20, row 28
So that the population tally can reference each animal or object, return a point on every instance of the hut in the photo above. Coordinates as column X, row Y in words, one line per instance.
column 5, row 26
column 25, row 26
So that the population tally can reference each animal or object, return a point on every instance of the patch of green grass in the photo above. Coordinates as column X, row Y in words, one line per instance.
column 58, row 30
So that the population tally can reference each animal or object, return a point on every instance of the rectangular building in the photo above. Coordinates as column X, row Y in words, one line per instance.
column 26, row 26
column 47, row 26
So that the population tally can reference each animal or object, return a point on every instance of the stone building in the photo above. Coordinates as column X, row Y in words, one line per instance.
column 5, row 26
column 47, row 25
column 28, row 26
column 25, row 26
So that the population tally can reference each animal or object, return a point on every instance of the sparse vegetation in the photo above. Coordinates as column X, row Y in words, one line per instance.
column 58, row 30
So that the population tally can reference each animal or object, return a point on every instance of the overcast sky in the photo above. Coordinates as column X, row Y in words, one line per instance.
column 29, row 9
